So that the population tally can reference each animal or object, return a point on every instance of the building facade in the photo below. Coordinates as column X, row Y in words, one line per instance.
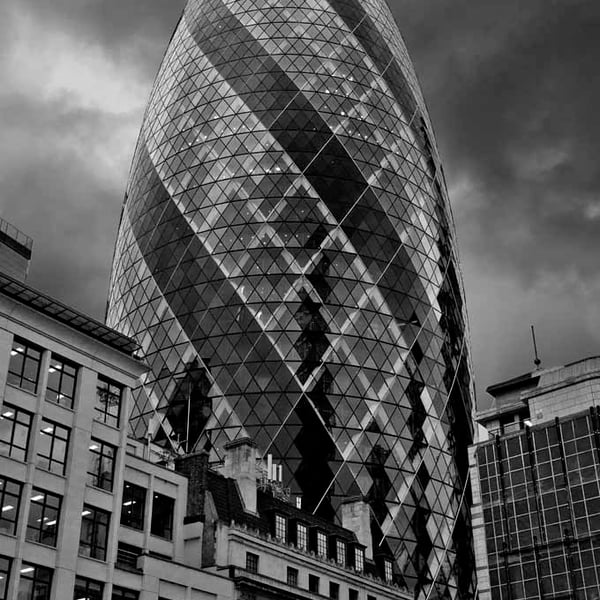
column 286, row 261
column 537, row 486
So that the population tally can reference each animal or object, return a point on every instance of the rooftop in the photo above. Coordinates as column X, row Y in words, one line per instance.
column 67, row 316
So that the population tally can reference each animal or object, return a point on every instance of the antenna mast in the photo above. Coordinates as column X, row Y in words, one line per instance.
column 536, row 361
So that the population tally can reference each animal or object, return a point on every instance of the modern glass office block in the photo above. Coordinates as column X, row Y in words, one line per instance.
column 286, row 260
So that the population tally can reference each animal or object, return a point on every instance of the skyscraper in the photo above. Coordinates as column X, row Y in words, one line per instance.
column 286, row 260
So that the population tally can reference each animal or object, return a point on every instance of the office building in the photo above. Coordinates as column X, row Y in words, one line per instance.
column 286, row 260
column 537, row 486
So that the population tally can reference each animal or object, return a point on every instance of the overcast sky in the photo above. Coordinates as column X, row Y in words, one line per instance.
column 513, row 91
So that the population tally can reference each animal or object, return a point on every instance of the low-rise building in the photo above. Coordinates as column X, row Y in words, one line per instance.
column 536, row 484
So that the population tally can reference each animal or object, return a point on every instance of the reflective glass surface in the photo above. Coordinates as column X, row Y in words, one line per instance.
column 286, row 260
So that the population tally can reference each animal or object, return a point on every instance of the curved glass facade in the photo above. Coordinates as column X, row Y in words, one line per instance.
column 286, row 260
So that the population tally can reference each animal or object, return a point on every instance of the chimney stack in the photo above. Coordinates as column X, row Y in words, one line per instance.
column 240, row 464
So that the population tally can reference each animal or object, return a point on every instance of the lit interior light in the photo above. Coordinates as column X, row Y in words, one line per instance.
column 528, row 423
column 85, row 513
column 50, row 523
column 7, row 508
column 13, row 352
column 26, row 569
column 129, row 503
column 51, row 370
column 37, row 498
column 8, row 413
column 94, row 447
column 48, row 429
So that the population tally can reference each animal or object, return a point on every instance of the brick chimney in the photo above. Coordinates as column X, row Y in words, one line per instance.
column 240, row 464
column 356, row 517
column 195, row 468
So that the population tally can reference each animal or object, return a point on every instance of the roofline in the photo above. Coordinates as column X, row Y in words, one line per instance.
column 66, row 315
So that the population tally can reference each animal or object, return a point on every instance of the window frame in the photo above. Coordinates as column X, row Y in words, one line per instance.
column 314, row 583
column 321, row 545
column 54, row 465
column 6, row 497
column 61, row 396
column 41, row 576
column 83, row 585
column 102, row 407
column 359, row 559
column 292, row 576
column 49, row 516
column 388, row 570
column 341, row 550
column 252, row 561
column 121, row 593
column 280, row 524
column 99, row 477
column 95, row 521
column 155, row 517
column 302, row 536
column 134, row 497
column 16, row 377
column 14, row 414
column 334, row 590
column 5, row 573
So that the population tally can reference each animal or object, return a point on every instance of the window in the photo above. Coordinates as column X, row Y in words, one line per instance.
column 321, row 544
column 14, row 432
column 352, row 594
column 4, row 576
column 108, row 401
column 334, row 590
column 313, row 584
column 292, row 576
column 120, row 593
column 24, row 365
column 102, row 465
column 359, row 559
column 94, row 532
column 87, row 589
column 54, row 442
column 10, row 498
column 252, row 562
column 127, row 556
column 388, row 570
column 44, row 511
column 280, row 527
column 34, row 582
column 132, row 508
column 371, row 597
column 62, row 377
column 302, row 536
column 163, row 508
column 340, row 552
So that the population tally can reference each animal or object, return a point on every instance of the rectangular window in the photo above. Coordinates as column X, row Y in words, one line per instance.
column 108, row 401
column 321, row 544
column 352, row 594
column 94, row 532
column 302, row 536
column 127, row 556
column 24, row 365
column 62, row 378
column 280, row 528
column 10, row 499
column 371, row 597
column 14, row 432
column 35, row 583
column 44, row 512
column 340, row 552
column 5, row 564
column 133, row 506
column 53, row 447
column 120, row 593
column 251, row 562
column 87, row 589
column 388, row 570
column 313, row 584
column 334, row 590
column 359, row 559
column 163, row 508
column 102, row 465
column 292, row 576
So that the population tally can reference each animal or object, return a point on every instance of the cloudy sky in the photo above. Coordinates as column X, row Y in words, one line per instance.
column 513, row 90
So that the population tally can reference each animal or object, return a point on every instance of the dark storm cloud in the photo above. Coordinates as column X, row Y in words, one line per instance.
column 512, row 88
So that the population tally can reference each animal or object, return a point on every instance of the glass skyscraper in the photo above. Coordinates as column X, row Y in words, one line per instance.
column 286, row 260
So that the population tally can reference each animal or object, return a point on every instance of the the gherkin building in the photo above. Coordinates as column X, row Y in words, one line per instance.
column 286, row 260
